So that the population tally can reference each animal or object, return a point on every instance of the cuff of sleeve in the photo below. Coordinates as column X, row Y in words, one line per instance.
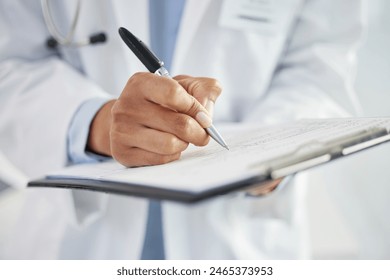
column 79, row 130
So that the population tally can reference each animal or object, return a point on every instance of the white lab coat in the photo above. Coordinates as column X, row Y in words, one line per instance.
column 302, row 71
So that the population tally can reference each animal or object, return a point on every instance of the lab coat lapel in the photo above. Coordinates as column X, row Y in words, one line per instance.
column 194, row 14
column 109, row 16
column 190, row 21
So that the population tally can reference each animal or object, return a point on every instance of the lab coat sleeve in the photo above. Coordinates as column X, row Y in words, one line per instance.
column 38, row 101
column 40, row 91
column 39, row 95
column 314, row 76
column 79, row 132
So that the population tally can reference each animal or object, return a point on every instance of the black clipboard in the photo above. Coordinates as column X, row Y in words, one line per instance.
column 302, row 158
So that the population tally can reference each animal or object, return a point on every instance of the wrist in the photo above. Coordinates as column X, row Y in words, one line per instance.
column 99, row 131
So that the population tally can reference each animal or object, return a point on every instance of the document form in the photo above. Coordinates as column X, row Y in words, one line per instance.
column 256, row 153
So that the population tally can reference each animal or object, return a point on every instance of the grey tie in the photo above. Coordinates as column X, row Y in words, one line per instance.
column 153, row 243
column 164, row 17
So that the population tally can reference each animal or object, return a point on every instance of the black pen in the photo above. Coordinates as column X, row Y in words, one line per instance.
column 156, row 66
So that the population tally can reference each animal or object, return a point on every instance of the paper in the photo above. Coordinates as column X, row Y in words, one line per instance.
column 202, row 168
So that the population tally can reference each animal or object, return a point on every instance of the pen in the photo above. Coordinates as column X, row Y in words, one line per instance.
column 156, row 66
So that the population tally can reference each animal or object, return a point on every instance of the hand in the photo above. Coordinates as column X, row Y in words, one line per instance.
column 264, row 188
column 205, row 90
column 154, row 119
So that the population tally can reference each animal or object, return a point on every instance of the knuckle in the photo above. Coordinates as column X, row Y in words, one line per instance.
column 194, row 107
column 169, row 158
column 119, row 116
column 117, row 112
column 169, row 145
column 206, row 88
column 173, row 145
column 205, row 141
column 159, row 159
column 182, row 77
column 174, row 95
column 183, row 125
column 116, row 108
column 121, row 126
column 136, row 77
column 214, row 87
column 202, row 140
column 195, row 86
column 133, row 80
column 217, row 87
column 136, row 83
column 114, row 136
column 128, row 110
column 121, row 156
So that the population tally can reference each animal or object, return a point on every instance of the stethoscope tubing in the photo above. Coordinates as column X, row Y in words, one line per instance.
column 68, row 39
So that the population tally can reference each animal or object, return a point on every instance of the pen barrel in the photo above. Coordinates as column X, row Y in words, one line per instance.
column 144, row 54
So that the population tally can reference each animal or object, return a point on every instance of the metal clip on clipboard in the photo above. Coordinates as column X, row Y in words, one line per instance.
column 315, row 152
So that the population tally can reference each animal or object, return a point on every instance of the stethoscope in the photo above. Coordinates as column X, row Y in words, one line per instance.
column 67, row 41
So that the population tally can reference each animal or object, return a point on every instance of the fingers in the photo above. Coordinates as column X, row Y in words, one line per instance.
column 154, row 141
column 205, row 90
column 144, row 146
column 181, row 125
column 155, row 118
column 135, row 112
column 136, row 157
column 264, row 188
column 173, row 96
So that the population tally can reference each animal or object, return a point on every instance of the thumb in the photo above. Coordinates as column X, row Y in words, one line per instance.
column 198, row 112
column 210, row 107
column 203, row 89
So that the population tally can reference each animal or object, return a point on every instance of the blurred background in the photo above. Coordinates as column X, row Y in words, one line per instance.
column 348, row 201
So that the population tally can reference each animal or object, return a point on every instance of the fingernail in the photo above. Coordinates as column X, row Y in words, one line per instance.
column 210, row 108
column 203, row 119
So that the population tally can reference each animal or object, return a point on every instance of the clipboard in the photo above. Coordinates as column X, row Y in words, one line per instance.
column 309, row 150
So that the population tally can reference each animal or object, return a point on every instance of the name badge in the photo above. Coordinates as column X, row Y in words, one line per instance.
column 270, row 17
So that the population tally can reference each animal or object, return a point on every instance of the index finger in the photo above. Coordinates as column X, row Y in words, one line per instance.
column 169, row 93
